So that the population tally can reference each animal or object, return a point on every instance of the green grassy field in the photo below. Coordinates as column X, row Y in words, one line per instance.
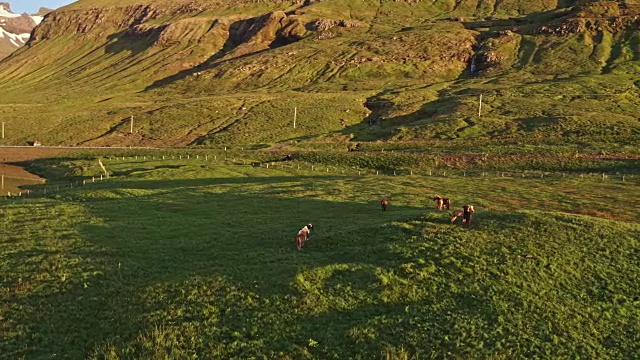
column 185, row 258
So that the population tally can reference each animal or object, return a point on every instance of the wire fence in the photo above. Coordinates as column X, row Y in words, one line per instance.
column 44, row 188
column 300, row 168
column 453, row 173
column 351, row 171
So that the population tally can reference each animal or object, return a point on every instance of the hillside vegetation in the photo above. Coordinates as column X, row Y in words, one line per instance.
column 214, row 72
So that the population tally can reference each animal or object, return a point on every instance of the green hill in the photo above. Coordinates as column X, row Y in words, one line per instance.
column 211, row 72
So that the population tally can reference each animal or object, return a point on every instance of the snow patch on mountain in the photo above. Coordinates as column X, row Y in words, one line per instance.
column 22, row 38
column 6, row 13
column 15, row 28
column 16, row 40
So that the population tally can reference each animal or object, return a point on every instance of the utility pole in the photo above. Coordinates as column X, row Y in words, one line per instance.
column 295, row 116
column 480, row 106
column 131, row 131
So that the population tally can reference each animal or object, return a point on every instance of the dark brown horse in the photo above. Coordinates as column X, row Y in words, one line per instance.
column 466, row 212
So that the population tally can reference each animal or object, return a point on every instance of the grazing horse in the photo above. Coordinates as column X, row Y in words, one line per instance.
column 384, row 204
column 442, row 202
column 465, row 213
column 303, row 235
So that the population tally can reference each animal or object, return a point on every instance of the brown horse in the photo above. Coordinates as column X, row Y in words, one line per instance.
column 300, row 240
column 384, row 204
column 466, row 212
column 303, row 236
column 442, row 202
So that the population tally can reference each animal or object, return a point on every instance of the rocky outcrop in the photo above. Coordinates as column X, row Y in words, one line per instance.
column 594, row 17
column 326, row 24
column 43, row 11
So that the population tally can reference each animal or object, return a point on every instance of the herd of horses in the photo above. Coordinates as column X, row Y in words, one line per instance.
column 445, row 203
column 442, row 203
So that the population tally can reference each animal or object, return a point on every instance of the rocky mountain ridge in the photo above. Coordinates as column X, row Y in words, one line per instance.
column 15, row 29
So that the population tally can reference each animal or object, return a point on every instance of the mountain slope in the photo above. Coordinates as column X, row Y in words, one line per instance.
column 202, row 72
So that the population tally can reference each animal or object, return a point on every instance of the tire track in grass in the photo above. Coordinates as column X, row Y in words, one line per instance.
column 330, row 75
column 230, row 124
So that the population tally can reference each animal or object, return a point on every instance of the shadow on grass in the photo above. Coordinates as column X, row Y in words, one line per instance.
column 135, row 170
column 204, row 182
column 208, row 267
column 193, row 231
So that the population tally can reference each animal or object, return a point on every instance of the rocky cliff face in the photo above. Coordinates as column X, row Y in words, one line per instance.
column 216, row 31
column 15, row 30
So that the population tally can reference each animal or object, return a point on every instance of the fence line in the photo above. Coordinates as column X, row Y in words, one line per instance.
column 528, row 174
column 46, row 188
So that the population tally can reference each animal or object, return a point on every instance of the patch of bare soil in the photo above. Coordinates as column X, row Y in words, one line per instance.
column 8, row 155
column 14, row 171
column 14, row 176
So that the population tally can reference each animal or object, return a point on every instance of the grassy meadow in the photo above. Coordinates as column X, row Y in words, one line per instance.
column 176, row 259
